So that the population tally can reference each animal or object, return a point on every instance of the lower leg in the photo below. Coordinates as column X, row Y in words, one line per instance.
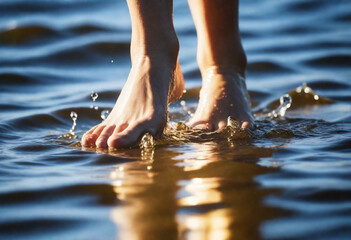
column 219, row 43
column 154, row 80
column 222, row 63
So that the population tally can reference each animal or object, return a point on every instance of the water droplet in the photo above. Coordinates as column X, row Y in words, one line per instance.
column 94, row 96
column 74, row 116
column 71, row 134
column 147, row 141
column 285, row 103
column 307, row 89
column 183, row 103
column 104, row 114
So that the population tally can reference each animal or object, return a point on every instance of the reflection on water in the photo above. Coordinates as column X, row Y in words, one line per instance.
column 197, row 193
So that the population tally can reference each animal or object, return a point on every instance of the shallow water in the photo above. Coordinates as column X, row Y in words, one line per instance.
column 288, row 179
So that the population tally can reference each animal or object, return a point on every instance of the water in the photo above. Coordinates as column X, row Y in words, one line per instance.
column 287, row 179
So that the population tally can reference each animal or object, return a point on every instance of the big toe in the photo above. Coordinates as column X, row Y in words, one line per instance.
column 129, row 137
column 201, row 125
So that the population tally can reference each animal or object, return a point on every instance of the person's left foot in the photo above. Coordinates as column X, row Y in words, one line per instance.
column 223, row 94
column 152, row 84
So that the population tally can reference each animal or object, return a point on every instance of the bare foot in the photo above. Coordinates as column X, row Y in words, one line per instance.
column 223, row 94
column 152, row 84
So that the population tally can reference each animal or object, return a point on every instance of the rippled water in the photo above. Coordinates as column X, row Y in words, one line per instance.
column 288, row 179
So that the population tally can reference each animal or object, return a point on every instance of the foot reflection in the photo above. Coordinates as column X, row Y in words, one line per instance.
column 212, row 225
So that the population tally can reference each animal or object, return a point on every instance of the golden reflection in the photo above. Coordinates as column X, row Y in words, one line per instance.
column 145, row 192
column 212, row 225
column 205, row 191
column 202, row 191
column 195, row 160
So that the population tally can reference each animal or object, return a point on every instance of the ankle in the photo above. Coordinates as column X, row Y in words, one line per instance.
column 232, row 59
column 165, row 48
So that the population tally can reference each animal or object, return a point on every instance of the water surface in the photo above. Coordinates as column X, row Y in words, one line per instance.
column 290, row 179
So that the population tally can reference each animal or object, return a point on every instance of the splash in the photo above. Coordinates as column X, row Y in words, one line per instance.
column 304, row 96
column 71, row 134
column 147, row 142
column 94, row 96
column 74, row 117
column 285, row 103
column 181, row 126
column 233, row 131
column 147, row 147
column 269, row 124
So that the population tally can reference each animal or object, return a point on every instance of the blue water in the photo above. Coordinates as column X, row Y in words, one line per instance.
column 290, row 181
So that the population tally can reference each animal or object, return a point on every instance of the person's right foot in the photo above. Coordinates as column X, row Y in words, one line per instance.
column 152, row 84
column 223, row 94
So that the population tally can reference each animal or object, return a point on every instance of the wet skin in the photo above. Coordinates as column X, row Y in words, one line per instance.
column 155, row 79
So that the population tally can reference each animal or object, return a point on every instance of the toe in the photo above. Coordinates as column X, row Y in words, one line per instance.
column 246, row 125
column 120, row 141
column 90, row 137
column 101, row 142
column 222, row 125
column 203, row 126
column 129, row 137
